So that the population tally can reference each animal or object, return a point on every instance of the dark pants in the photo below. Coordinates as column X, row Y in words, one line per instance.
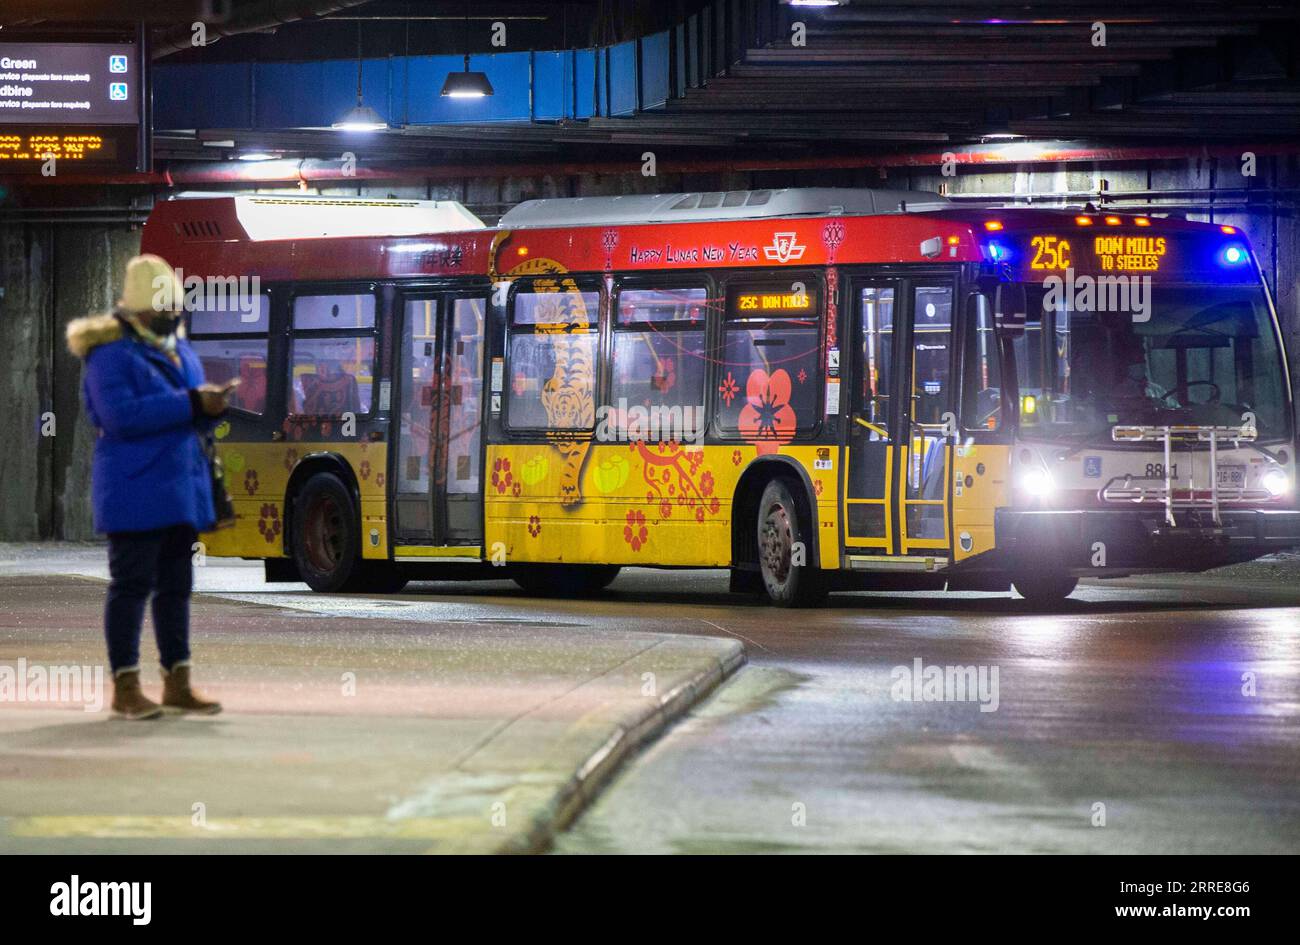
column 140, row 564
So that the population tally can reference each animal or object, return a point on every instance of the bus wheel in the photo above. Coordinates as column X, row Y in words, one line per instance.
column 1045, row 588
column 781, row 538
column 325, row 540
column 564, row 580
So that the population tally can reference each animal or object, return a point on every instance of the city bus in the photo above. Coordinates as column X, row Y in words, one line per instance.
column 818, row 389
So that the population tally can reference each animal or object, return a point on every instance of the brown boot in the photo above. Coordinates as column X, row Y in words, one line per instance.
column 128, row 699
column 177, row 693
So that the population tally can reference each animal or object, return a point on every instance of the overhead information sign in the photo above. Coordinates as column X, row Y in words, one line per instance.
column 69, row 84
column 65, row 106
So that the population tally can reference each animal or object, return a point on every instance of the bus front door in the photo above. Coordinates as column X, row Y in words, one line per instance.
column 902, row 414
column 437, row 470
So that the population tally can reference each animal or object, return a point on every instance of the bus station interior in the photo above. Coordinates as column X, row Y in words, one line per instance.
column 666, row 699
column 1192, row 109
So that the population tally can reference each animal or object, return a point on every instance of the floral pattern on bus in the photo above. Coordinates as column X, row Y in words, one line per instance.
column 767, row 419
column 675, row 480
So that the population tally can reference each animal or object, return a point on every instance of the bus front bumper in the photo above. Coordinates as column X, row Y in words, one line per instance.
column 1129, row 541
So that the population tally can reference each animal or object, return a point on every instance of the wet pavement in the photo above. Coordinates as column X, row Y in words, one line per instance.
column 1152, row 716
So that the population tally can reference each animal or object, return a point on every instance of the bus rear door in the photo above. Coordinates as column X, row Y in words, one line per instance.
column 437, row 469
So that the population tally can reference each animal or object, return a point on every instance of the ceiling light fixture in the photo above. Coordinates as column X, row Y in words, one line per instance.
column 360, row 117
column 467, row 84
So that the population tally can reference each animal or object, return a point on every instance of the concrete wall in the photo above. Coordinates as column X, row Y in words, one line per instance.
column 52, row 272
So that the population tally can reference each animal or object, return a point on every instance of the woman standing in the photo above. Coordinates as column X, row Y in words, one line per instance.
column 144, row 392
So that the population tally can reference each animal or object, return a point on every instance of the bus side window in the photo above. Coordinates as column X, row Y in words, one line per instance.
column 332, row 374
column 659, row 358
column 231, row 339
column 982, row 367
column 768, row 390
column 552, row 365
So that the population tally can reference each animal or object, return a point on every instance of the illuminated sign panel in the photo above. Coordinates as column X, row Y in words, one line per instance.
column 786, row 300
column 1172, row 256
column 69, row 84
column 79, row 103
column 1129, row 253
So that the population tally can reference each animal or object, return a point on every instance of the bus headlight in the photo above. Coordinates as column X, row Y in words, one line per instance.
column 1276, row 481
column 1037, row 483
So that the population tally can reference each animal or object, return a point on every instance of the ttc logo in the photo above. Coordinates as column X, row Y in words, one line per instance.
column 117, row 64
column 784, row 248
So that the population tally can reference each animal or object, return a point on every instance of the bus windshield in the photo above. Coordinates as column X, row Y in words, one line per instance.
column 1204, row 355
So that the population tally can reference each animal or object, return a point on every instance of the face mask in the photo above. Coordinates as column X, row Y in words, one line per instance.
column 163, row 323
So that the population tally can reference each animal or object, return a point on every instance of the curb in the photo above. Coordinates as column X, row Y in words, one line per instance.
column 598, row 769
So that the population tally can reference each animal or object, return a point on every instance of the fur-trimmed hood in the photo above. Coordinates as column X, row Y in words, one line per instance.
column 86, row 334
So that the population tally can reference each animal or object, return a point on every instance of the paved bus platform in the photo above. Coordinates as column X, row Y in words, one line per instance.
column 341, row 733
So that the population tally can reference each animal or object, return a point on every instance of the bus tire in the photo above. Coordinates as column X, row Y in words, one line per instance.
column 779, row 528
column 1045, row 588
column 326, row 540
column 564, row 580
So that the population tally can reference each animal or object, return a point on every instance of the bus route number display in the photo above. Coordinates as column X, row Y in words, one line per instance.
column 1110, row 253
column 796, row 300
column 1129, row 253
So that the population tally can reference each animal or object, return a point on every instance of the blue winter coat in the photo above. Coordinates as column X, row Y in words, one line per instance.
column 150, row 470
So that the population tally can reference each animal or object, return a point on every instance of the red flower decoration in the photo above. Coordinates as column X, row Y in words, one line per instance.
column 714, row 505
column 699, row 514
column 817, row 486
column 250, row 481
column 706, row 484
column 735, row 457
column 365, row 469
column 767, row 418
column 728, row 389
column 634, row 532
column 269, row 522
column 290, row 458
column 379, row 480
column 502, row 478
column 515, row 490
column 534, row 525
column 802, row 375
column 665, row 509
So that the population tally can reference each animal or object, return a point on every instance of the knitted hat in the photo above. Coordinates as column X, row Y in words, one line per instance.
column 150, row 286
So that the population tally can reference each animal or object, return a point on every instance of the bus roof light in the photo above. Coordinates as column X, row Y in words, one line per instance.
column 1141, row 221
column 1230, row 230
column 1083, row 221
column 1112, row 221
column 1234, row 255
column 992, row 225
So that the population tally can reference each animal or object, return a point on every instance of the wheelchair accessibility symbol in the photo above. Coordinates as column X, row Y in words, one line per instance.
column 117, row 64
column 117, row 92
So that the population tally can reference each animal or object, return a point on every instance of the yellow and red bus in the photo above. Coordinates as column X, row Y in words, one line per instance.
column 818, row 389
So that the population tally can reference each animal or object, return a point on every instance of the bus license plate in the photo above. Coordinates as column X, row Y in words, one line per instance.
column 1232, row 477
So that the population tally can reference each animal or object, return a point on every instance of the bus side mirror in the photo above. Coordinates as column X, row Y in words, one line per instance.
column 1010, row 308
